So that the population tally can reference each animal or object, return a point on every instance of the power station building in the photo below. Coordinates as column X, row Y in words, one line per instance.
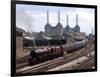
column 68, row 29
column 58, row 29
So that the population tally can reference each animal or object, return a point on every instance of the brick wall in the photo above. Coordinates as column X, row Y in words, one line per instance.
column 19, row 46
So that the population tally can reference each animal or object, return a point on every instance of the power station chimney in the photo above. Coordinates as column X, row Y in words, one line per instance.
column 47, row 17
column 58, row 16
column 76, row 19
column 77, row 28
column 92, row 31
column 67, row 22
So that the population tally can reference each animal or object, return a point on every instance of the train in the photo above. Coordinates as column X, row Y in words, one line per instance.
column 49, row 53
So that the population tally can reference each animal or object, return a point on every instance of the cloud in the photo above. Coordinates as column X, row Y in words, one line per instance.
column 24, row 20
column 33, row 17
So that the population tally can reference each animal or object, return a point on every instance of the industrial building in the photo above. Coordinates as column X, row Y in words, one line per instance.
column 19, row 41
column 58, row 29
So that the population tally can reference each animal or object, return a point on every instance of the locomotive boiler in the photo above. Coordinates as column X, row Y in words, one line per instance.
column 49, row 53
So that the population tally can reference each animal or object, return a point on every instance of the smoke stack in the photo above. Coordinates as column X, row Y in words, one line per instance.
column 76, row 19
column 67, row 19
column 92, row 31
column 58, row 16
column 47, row 17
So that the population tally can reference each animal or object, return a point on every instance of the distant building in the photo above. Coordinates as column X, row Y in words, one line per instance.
column 42, row 40
column 67, row 29
column 28, row 41
column 48, row 26
column 77, row 28
column 57, row 30
column 79, row 36
column 59, row 27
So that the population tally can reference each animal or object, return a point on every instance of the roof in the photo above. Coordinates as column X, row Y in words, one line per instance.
column 59, row 25
column 29, row 38
column 57, row 37
column 19, row 30
column 48, row 38
column 48, row 25
column 40, row 37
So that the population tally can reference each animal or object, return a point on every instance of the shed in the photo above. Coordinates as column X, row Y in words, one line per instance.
column 19, row 42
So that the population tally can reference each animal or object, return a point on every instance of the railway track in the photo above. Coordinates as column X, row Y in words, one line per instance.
column 74, row 65
column 56, row 62
column 88, row 64
column 22, row 62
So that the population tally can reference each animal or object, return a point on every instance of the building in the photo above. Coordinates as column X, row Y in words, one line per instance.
column 59, row 27
column 68, row 29
column 42, row 40
column 19, row 42
column 48, row 26
column 77, row 28
column 79, row 36
column 28, row 41
column 57, row 30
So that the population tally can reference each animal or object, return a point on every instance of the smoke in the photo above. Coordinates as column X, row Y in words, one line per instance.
column 24, row 20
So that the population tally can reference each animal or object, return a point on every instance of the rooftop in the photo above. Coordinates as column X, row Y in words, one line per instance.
column 19, row 30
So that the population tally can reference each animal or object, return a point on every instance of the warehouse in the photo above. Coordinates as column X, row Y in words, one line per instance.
column 19, row 42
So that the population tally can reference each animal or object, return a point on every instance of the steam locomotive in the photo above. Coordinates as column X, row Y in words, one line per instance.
column 49, row 53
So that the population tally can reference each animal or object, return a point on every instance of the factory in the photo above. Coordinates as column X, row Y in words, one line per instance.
column 58, row 29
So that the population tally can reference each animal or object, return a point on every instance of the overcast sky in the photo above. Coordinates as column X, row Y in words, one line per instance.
column 34, row 17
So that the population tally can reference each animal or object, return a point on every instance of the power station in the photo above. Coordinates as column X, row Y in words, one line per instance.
column 58, row 29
